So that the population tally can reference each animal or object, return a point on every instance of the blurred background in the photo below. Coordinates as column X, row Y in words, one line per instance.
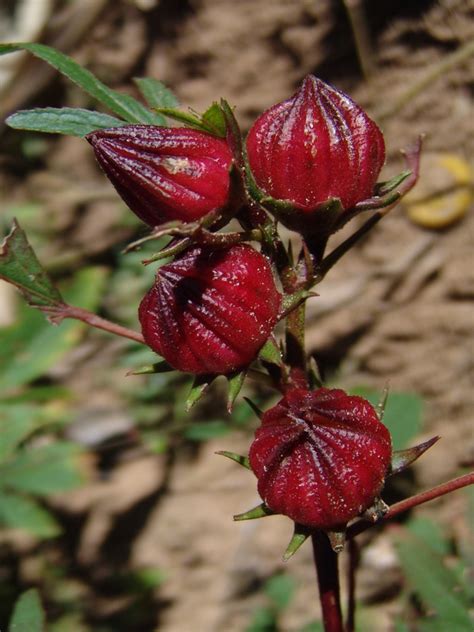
column 112, row 500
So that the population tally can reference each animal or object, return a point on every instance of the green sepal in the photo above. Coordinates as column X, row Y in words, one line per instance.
column 238, row 458
column 380, row 408
column 157, row 367
column 401, row 459
column 233, row 134
column 337, row 539
column 254, row 407
column 257, row 512
column 300, row 535
column 292, row 301
column 199, row 387
column 215, row 121
column 270, row 352
column 212, row 121
column 235, row 382
column 382, row 188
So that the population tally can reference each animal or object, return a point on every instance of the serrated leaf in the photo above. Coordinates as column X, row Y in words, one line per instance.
column 20, row 266
column 43, row 470
column 121, row 104
column 205, row 430
column 71, row 121
column 18, row 512
column 435, row 584
column 156, row 94
column 28, row 614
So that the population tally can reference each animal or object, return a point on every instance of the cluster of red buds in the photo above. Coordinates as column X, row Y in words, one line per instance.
column 311, row 163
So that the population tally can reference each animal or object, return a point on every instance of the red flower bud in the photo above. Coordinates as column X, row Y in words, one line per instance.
column 163, row 173
column 320, row 457
column 211, row 310
column 316, row 146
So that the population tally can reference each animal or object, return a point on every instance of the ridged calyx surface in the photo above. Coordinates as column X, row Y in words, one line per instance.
column 320, row 457
column 315, row 146
column 165, row 174
column 211, row 310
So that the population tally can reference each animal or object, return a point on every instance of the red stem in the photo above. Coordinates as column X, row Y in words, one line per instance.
column 352, row 572
column 328, row 581
column 93, row 320
column 414, row 501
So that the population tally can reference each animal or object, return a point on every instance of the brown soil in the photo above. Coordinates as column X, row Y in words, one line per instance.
column 398, row 308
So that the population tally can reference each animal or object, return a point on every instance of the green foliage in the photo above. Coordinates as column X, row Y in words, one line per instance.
column 446, row 601
column 123, row 105
column 71, row 121
column 28, row 614
column 279, row 591
column 20, row 266
column 403, row 414
column 157, row 95
column 31, row 347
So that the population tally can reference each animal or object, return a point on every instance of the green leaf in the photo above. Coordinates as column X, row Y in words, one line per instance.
column 156, row 94
column 18, row 512
column 205, row 430
column 20, row 266
column 280, row 589
column 121, row 104
column 436, row 585
column 431, row 534
column 28, row 614
column 43, row 470
column 33, row 346
column 71, row 121
column 16, row 423
column 403, row 414
column 263, row 620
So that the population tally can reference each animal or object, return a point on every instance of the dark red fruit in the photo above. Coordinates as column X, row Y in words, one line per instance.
column 320, row 457
column 164, row 173
column 316, row 146
column 211, row 310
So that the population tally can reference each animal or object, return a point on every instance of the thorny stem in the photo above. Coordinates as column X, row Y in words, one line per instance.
column 328, row 581
column 414, row 501
column 69, row 311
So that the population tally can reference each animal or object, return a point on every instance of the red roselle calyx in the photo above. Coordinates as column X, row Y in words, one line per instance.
column 320, row 457
column 314, row 147
column 165, row 174
column 211, row 310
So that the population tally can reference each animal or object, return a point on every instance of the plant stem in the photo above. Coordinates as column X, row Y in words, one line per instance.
column 328, row 581
column 352, row 572
column 414, row 501
column 69, row 311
